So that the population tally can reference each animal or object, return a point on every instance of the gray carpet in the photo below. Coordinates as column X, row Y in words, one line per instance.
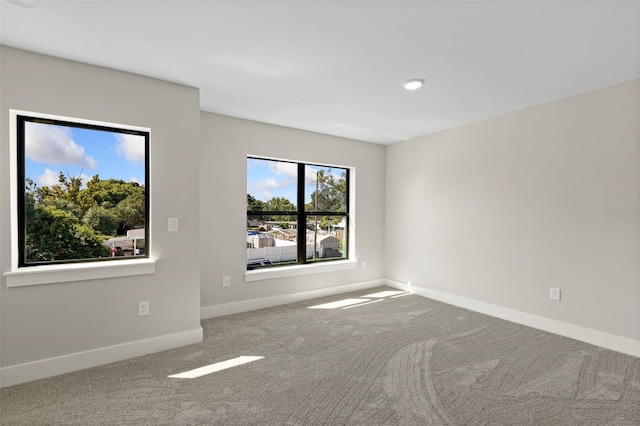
column 400, row 361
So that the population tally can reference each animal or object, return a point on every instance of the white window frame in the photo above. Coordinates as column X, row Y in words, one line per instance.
column 319, row 267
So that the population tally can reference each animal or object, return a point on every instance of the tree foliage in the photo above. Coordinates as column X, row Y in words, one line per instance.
column 279, row 204
column 56, row 234
column 330, row 195
column 67, row 221
column 101, row 219
column 253, row 204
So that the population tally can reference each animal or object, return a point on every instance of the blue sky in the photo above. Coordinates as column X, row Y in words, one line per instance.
column 51, row 149
column 267, row 179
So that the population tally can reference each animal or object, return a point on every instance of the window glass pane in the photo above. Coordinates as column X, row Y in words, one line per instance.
column 85, row 195
column 326, row 237
column 271, row 240
column 274, row 223
column 271, row 185
column 325, row 189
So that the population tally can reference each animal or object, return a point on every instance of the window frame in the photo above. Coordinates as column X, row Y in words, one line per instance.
column 31, row 273
column 301, row 213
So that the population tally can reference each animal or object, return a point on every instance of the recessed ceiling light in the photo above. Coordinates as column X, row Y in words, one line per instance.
column 413, row 84
column 26, row 3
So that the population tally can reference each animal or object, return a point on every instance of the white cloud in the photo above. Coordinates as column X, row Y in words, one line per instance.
column 265, row 195
column 50, row 178
column 131, row 147
column 85, row 179
column 54, row 145
column 282, row 168
column 136, row 180
column 310, row 173
column 269, row 183
column 311, row 176
column 264, row 186
column 283, row 184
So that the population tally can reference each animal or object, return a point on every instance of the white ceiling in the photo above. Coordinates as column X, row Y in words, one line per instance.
column 337, row 67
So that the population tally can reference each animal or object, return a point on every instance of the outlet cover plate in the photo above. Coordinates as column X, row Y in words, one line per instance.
column 143, row 308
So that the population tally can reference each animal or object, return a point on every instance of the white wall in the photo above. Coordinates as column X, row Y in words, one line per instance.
column 54, row 320
column 500, row 210
column 226, row 143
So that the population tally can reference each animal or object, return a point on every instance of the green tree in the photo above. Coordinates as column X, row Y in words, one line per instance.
column 130, row 212
column 55, row 234
column 66, row 221
column 124, row 200
column 330, row 196
column 280, row 204
column 102, row 220
column 106, row 193
column 253, row 204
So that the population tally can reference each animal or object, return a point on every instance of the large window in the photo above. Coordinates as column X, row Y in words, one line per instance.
column 83, row 191
column 296, row 213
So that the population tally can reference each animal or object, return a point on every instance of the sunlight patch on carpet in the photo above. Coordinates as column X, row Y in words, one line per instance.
column 383, row 294
column 339, row 304
column 218, row 366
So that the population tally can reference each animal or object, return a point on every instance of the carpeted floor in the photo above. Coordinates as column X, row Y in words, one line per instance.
column 401, row 360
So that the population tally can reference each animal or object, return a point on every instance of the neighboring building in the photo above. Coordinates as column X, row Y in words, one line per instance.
column 131, row 245
column 278, row 224
column 338, row 230
column 261, row 241
column 326, row 245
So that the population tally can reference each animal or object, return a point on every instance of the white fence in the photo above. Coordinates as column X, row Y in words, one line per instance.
column 277, row 254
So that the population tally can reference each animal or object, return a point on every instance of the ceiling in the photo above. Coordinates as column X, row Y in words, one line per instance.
column 337, row 67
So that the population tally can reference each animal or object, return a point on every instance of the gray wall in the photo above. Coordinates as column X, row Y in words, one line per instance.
column 226, row 143
column 38, row 322
column 496, row 211
column 500, row 210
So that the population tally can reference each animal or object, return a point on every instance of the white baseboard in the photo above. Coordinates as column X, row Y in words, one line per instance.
column 587, row 335
column 268, row 302
column 41, row 369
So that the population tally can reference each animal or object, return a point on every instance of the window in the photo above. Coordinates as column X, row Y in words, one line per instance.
column 297, row 213
column 82, row 191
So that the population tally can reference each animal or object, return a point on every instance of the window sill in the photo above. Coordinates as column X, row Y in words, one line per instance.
column 37, row 275
column 295, row 270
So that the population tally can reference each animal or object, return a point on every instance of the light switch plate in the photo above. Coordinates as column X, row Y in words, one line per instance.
column 173, row 224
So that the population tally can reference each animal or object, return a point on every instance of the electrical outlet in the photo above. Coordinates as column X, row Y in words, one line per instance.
column 143, row 308
column 554, row 293
column 226, row 281
column 364, row 264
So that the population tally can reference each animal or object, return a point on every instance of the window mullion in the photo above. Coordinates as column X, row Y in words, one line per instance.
column 302, row 219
